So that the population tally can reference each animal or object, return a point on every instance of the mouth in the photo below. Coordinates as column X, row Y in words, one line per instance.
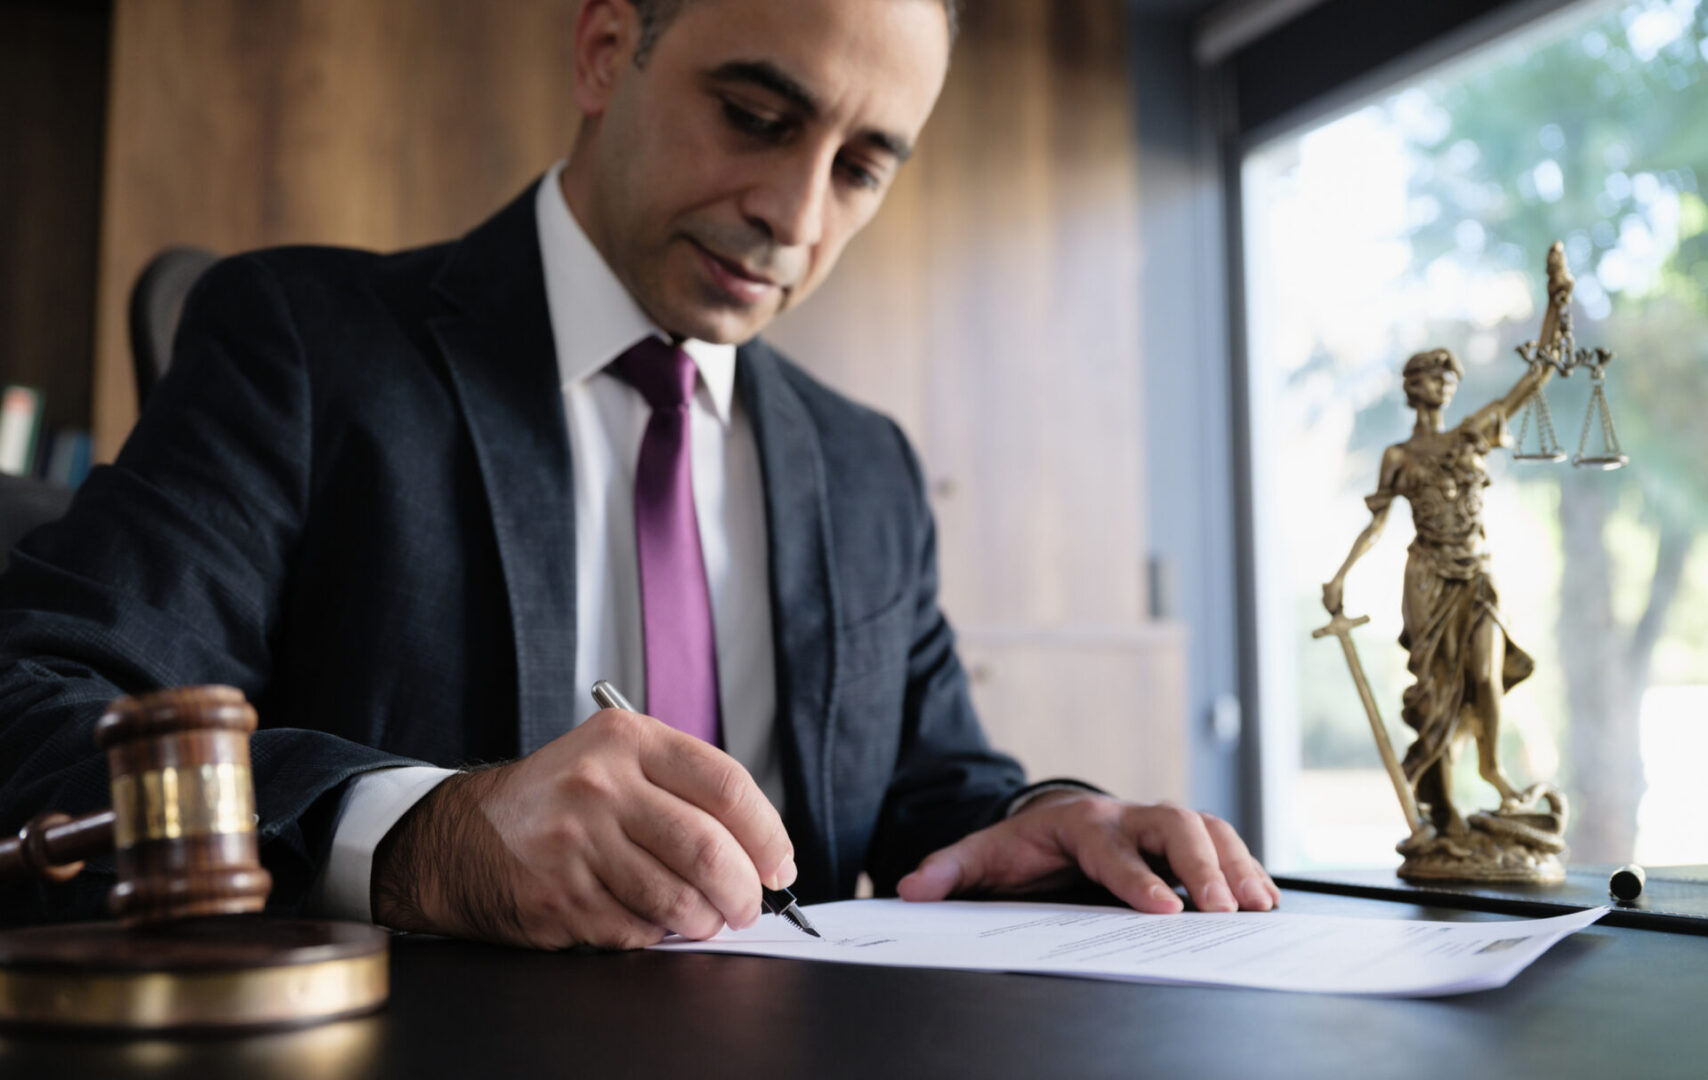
column 746, row 287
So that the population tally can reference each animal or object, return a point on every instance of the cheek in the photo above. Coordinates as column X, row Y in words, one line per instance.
column 673, row 164
column 824, row 259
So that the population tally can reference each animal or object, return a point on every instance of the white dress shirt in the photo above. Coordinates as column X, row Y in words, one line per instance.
column 594, row 321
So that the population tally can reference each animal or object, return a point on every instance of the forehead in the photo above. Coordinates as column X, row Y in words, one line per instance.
column 876, row 63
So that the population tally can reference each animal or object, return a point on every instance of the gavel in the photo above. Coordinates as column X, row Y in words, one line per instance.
column 182, row 826
column 182, row 831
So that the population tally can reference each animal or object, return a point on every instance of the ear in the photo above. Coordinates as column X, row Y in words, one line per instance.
column 606, row 33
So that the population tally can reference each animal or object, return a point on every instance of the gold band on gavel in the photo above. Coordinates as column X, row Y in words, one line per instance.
column 172, row 803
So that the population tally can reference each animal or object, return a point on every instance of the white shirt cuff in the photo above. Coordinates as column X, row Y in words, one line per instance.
column 370, row 807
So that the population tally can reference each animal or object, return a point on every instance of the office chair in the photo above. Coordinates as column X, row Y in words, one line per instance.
column 26, row 502
column 156, row 302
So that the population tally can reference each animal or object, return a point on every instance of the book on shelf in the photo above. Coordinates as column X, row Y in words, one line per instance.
column 68, row 457
column 20, row 428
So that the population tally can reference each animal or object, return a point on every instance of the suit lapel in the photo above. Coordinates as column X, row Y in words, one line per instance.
column 805, row 606
column 499, row 349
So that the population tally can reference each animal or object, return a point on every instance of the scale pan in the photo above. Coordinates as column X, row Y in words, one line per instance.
column 1540, row 459
column 1606, row 463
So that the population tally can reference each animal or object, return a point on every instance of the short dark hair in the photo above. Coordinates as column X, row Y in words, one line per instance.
column 655, row 15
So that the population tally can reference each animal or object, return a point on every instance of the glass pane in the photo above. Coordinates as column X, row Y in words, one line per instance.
column 1422, row 220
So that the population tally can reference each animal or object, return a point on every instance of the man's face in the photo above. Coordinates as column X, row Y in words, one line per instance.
column 725, row 176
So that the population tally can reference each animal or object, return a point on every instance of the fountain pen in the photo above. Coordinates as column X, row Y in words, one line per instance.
column 777, row 901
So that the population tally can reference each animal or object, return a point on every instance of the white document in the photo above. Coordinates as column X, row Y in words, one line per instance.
column 1266, row 950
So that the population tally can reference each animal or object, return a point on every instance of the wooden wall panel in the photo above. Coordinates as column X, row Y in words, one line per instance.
column 53, row 78
column 373, row 123
column 991, row 307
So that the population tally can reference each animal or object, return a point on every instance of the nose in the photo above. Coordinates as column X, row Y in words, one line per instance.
column 787, row 198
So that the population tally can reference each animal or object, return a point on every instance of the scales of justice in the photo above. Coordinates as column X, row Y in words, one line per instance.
column 1461, row 655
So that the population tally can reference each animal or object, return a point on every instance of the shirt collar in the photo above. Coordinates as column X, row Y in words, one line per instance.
column 594, row 319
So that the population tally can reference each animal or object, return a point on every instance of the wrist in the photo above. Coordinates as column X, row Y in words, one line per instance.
column 409, row 887
column 1046, row 792
column 1054, row 797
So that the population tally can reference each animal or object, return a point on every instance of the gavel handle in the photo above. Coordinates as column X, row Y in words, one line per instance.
column 54, row 846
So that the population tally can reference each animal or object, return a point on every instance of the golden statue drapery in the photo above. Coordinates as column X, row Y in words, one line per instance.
column 1449, row 596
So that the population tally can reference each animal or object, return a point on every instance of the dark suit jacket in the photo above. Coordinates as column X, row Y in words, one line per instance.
column 351, row 498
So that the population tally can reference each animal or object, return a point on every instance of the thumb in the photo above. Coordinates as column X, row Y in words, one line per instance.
column 946, row 871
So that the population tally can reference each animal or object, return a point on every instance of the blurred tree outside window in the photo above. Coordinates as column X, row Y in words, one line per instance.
column 1422, row 219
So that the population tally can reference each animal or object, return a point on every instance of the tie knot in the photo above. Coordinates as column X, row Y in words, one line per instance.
column 663, row 373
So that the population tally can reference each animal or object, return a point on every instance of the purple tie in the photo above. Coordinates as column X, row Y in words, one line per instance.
column 676, row 606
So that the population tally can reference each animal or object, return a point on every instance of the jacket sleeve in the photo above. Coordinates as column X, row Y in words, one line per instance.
column 169, row 570
column 948, row 781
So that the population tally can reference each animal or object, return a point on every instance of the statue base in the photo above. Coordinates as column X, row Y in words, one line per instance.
column 1521, row 843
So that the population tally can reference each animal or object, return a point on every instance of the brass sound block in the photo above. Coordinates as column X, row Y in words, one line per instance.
column 209, row 973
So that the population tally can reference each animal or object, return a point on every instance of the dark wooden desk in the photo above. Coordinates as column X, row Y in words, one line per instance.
column 1610, row 1002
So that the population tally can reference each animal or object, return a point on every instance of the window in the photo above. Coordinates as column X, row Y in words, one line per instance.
column 1422, row 219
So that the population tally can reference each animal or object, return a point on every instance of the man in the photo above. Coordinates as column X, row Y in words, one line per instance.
column 368, row 496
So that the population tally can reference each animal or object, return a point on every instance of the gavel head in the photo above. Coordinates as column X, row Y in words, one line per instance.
column 183, row 805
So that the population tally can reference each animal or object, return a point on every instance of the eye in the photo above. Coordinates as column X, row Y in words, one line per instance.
column 859, row 175
column 751, row 123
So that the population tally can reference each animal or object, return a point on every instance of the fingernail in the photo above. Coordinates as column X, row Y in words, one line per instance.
column 1255, row 895
column 1218, row 898
column 786, row 875
column 1163, row 896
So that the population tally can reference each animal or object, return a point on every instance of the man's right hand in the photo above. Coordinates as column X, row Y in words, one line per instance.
column 613, row 835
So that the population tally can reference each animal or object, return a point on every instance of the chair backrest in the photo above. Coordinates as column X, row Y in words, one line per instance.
column 24, row 504
column 156, row 302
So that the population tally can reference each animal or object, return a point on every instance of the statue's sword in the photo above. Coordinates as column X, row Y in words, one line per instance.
column 1341, row 627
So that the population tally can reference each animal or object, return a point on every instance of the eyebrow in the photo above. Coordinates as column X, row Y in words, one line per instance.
column 768, row 76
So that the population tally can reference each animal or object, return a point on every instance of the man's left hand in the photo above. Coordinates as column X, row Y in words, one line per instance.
column 1066, row 836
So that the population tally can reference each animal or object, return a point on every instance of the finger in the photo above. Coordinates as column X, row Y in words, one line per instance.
column 1251, row 886
column 943, row 873
column 608, row 923
column 656, row 893
column 1107, row 856
column 1181, row 835
column 701, row 774
column 582, row 913
column 696, row 850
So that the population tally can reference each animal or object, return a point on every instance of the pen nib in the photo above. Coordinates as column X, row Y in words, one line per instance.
column 799, row 921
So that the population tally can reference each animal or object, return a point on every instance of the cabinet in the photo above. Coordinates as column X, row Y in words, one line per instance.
column 1099, row 706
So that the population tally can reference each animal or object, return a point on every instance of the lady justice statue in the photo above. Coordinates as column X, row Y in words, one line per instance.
column 1461, row 652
